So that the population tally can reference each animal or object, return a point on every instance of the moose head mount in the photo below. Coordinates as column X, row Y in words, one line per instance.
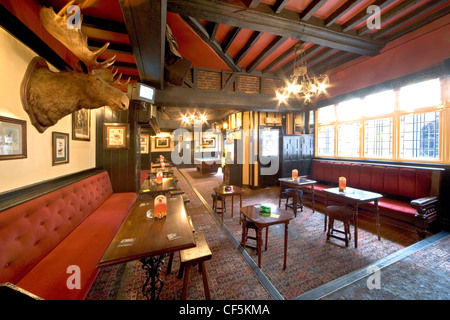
column 48, row 96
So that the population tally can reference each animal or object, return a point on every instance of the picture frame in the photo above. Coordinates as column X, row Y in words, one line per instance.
column 60, row 148
column 116, row 135
column 162, row 142
column 13, row 138
column 145, row 138
column 81, row 125
column 208, row 142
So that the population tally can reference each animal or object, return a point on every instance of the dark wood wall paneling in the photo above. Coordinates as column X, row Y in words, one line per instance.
column 123, row 165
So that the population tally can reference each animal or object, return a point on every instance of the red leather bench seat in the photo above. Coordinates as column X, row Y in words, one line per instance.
column 398, row 184
column 73, row 225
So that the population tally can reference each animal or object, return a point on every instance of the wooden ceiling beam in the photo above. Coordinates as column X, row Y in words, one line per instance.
column 434, row 16
column 308, row 53
column 390, row 14
column 279, row 5
column 339, row 12
column 273, row 45
column 201, row 31
column 324, row 54
column 104, row 24
column 422, row 10
column 281, row 57
column 248, row 45
column 230, row 38
column 185, row 97
column 286, row 24
column 311, row 9
column 146, row 26
column 113, row 47
column 363, row 15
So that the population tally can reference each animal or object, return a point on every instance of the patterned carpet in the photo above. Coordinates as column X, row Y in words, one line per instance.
column 311, row 261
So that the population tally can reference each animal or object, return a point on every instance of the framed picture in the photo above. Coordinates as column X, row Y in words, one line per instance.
column 116, row 135
column 81, row 125
column 145, row 143
column 13, row 138
column 162, row 142
column 208, row 142
column 60, row 148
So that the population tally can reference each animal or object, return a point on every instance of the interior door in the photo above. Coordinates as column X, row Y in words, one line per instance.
column 269, row 155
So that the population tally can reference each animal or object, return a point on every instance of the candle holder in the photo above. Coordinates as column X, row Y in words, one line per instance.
column 294, row 174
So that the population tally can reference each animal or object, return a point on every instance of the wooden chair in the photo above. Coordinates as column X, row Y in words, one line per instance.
column 197, row 255
column 343, row 214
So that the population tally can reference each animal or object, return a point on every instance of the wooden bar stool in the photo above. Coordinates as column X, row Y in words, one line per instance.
column 290, row 193
column 197, row 255
column 251, row 225
column 343, row 214
column 216, row 198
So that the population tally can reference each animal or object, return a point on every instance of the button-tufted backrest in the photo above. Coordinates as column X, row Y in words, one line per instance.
column 407, row 182
column 31, row 230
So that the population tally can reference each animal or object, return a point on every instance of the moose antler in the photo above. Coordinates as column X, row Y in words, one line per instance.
column 110, row 76
column 48, row 96
column 73, row 39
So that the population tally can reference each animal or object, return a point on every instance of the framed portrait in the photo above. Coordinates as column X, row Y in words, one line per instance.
column 60, row 148
column 81, row 125
column 116, row 135
column 13, row 138
column 208, row 142
column 162, row 142
column 145, row 138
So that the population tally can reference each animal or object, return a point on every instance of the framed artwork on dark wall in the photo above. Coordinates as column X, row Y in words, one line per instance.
column 162, row 142
column 81, row 125
column 116, row 135
column 60, row 148
column 13, row 138
column 145, row 138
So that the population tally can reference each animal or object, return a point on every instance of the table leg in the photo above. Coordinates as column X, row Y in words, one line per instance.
column 325, row 213
column 152, row 267
column 259, row 246
column 267, row 236
column 356, row 226
column 285, row 244
column 295, row 201
column 244, row 232
column 232, row 205
column 313, row 203
column 378, row 219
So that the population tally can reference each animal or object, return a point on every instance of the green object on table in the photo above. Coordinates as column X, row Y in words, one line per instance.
column 265, row 210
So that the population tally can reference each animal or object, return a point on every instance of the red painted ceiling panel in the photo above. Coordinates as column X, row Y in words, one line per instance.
column 281, row 49
column 259, row 46
column 192, row 47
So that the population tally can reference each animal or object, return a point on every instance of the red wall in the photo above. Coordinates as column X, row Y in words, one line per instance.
column 421, row 49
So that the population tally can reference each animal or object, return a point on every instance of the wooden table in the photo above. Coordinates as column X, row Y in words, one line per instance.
column 354, row 197
column 149, row 186
column 296, row 184
column 235, row 191
column 166, row 171
column 143, row 238
column 277, row 217
column 158, row 165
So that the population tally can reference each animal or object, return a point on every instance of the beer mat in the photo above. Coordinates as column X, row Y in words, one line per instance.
column 126, row 242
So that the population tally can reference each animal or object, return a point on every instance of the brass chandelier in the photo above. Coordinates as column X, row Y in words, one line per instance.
column 300, row 84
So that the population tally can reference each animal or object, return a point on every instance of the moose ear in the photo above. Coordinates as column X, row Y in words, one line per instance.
column 35, row 64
